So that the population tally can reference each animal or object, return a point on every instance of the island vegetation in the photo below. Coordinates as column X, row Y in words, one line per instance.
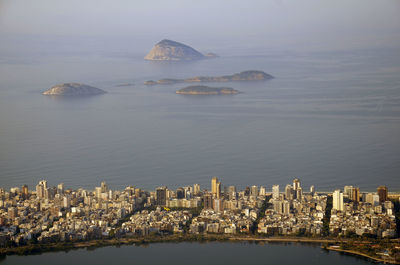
column 168, row 50
column 206, row 90
column 73, row 89
column 125, row 84
column 250, row 75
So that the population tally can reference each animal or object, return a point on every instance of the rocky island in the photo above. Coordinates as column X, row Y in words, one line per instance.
column 251, row 75
column 73, row 89
column 206, row 90
column 211, row 55
column 168, row 50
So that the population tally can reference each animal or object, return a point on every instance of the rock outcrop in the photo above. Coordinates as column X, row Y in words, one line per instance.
column 211, row 55
column 168, row 50
column 73, row 89
column 206, row 90
column 251, row 75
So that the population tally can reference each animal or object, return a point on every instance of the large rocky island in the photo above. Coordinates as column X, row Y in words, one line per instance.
column 206, row 90
column 251, row 75
column 73, row 89
column 168, row 50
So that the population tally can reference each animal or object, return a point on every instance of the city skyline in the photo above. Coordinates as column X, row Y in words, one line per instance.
column 196, row 186
column 50, row 215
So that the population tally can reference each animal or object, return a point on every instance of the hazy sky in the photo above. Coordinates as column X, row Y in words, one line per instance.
column 286, row 24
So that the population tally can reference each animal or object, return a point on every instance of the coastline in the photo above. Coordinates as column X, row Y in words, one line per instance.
column 159, row 239
column 99, row 243
column 284, row 239
column 357, row 253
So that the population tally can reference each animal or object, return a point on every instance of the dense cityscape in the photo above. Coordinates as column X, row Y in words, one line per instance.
column 56, row 214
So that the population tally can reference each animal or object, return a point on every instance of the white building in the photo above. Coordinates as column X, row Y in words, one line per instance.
column 348, row 191
column 254, row 190
column 312, row 189
column 275, row 192
column 196, row 189
column 262, row 191
column 338, row 200
column 289, row 192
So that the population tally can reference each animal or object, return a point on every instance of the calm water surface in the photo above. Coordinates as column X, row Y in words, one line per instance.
column 330, row 118
column 193, row 253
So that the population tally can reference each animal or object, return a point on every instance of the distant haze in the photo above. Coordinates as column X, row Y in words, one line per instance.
column 105, row 25
column 331, row 115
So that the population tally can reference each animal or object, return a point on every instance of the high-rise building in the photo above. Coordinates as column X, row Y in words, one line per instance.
column 180, row 193
column 372, row 198
column 218, row 190
column 25, row 192
column 98, row 192
column 296, row 184
column 312, row 190
column 226, row 192
column 348, row 191
column 196, row 189
column 60, row 188
column 138, row 192
column 278, row 206
column 161, row 196
column 218, row 205
column 188, row 192
column 275, row 192
column 44, row 183
column 49, row 193
column 286, row 207
column 382, row 192
column 214, row 182
column 104, row 187
column 299, row 193
column 169, row 193
column 262, row 191
column 67, row 201
column 208, row 201
column 231, row 193
column 41, row 188
column 355, row 194
column 296, row 187
column 289, row 192
column 247, row 191
column 254, row 191
column 338, row 200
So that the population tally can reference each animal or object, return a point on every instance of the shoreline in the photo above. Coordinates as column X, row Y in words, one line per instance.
column 60, row 246
column 34, row 248
column 283, row 239
column 99, row 243
column 357, row 253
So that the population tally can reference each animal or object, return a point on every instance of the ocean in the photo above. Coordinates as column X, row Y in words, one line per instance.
column 328, row 118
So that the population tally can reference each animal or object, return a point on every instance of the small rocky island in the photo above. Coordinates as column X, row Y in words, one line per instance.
column 251, row 75
column 73, row 89
column 211, row 55
column 206, row 90
column 168, row 50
